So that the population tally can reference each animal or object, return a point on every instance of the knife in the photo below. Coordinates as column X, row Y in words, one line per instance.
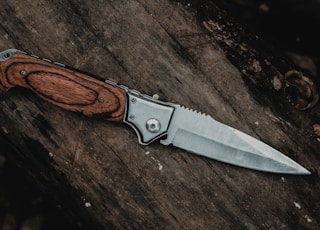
column 151, row 118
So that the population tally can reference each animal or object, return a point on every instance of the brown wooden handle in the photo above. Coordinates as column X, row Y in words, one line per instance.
column 66, row 88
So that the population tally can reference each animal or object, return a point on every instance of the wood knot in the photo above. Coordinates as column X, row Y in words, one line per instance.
column 300, row 90
column 316, row 131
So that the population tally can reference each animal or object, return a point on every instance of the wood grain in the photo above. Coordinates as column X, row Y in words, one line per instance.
column 68, row 89
column 97, row 169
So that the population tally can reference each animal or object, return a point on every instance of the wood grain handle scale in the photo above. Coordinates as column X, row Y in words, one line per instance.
column 66, row 88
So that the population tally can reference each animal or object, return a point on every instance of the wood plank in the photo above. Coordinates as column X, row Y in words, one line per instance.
column 97, row 169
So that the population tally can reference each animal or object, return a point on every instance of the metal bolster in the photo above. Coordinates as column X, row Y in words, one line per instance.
column 148, row 116
column 7, row 54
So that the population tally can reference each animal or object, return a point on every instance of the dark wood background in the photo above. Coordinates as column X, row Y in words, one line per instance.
column 96, row 175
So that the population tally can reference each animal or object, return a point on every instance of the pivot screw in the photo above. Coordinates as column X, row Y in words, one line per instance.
column 153, row 125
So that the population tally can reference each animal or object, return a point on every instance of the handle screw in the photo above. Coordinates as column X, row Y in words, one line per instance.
column 133, row 100
column 23, row 73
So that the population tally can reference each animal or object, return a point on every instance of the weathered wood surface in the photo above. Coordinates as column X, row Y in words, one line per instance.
column 98, row 171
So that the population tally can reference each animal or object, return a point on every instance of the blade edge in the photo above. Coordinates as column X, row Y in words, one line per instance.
column 234, row 156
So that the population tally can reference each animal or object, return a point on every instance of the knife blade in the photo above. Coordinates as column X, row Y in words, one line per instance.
column 151, row 118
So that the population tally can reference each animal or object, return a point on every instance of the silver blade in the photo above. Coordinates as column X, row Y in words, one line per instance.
column 202, row 135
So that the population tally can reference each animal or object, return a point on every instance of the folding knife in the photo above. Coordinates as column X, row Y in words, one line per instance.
column 151, row 118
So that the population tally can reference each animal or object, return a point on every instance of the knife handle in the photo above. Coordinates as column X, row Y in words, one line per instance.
column 64, row 87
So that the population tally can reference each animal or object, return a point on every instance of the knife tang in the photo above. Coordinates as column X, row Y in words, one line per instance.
column 61, row 86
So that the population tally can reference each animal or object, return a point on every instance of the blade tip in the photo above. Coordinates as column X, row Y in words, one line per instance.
column 306, row 172
column 302, row 171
